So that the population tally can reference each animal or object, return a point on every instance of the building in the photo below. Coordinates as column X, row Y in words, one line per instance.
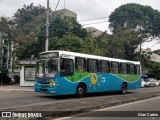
column 65, row 12
column 95, row 32
column 4, row 53
column 153, row 57
column 27, row 72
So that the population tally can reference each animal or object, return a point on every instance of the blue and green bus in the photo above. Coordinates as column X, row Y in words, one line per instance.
column 63, row 72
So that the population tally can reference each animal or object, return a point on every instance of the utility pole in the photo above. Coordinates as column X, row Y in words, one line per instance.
column 64, row 4
column 47, row 27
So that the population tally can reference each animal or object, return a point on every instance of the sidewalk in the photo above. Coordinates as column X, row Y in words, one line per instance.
column 16, row 87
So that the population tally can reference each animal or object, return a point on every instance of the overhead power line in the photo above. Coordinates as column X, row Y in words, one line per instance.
column 57, row 5
column 93, row 19
column 94, row 23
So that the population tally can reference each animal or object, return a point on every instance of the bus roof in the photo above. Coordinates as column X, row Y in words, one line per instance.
column 75, row 54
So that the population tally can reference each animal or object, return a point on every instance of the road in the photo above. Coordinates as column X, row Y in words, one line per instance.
column 141, row 110
column 10, row 99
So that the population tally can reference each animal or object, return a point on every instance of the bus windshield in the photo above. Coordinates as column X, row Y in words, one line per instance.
column 47, row 68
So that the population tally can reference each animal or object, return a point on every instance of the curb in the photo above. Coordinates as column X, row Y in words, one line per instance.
column 27, row 90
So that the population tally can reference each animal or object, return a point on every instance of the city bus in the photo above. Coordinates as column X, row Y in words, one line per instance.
column 62, row 72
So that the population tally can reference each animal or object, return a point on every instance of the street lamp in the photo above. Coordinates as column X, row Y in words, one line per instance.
column 47, row 27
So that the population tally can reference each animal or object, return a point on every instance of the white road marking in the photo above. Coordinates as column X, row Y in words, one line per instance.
column 127, row 104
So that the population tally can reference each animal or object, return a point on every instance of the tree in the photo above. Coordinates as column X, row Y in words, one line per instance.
column 65, row 34
column 128, row 42
column 136, row 17
column 60, row 26
column 134, row 24
column 156, row 70
column 27, row 22
column 103, row 42
column 68, row 43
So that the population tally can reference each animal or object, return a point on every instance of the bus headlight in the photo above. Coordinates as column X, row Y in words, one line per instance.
column 51, row 83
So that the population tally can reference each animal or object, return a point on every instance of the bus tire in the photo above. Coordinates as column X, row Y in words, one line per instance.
column 81, row 91
column 124, row 88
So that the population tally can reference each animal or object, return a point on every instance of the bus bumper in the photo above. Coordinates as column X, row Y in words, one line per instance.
column 46, row 90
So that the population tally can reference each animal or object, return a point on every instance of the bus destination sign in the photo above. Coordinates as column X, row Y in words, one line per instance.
column 48, row 55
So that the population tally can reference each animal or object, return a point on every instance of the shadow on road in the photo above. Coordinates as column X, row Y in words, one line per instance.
column 88, row 95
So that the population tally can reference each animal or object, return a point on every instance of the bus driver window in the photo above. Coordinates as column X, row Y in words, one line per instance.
column 66, row 67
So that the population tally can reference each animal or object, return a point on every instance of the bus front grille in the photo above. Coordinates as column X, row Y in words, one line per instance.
column 44, row 89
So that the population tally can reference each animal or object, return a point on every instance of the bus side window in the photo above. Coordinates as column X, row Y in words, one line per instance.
column 66, row 67
column 92, row 66
column 104, row 66
column 80, row 64
column 123, row 68
column 131, row 69
column 137, row 70
column 114, row 67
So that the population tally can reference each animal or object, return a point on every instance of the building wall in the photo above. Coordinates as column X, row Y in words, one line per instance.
column 155, row 57
column 95, row 32
column 4, row 53
column 27, row 72
column 65, row 12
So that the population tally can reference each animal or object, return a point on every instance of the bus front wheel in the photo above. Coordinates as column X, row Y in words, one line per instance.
column 124, row 88
column 81, row 91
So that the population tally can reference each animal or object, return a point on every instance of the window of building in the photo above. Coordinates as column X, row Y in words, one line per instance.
column 80, row 64
column 66, row 67
column 93, row 65
column 104, row 66
column 114, row 67
column 123, row 68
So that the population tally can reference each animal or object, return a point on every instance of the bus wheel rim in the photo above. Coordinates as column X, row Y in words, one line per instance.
column 80, row 90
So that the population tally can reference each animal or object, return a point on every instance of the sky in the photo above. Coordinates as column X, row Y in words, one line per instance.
column 85, row 9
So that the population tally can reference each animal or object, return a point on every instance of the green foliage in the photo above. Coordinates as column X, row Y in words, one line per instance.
column 156, row 70
column 60, row 26
column 28, row 21
column 7, row 29
column 68, row 43
column 132, row 24
column 65, row 34
column 137, row 17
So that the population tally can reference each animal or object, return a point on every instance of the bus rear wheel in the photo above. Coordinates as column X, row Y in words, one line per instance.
column 81, row 91
column 124, row 88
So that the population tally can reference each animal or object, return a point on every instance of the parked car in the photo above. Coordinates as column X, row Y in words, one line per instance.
column 143, row 83
column 4, row 79
column 151, row 82
column 15, row 79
